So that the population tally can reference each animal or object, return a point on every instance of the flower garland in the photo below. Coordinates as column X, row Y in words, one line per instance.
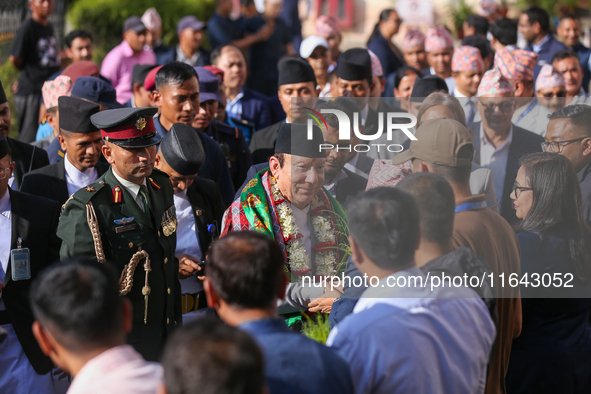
column 325, row 256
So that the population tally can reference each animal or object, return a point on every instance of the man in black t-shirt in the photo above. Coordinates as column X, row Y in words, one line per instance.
column 35, row 54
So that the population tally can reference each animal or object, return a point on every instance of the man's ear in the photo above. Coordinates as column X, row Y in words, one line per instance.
column 383, row 83
column 586, row 143
column 282, row 286
column 136, row 87
column 42, row 337
column 108, row 152
column 156, row 99
column 357, row 254
column 519, row 88
column 274, row 166
column 50, row 119
column 62, row 142
column 210, row 294
column 157, row 160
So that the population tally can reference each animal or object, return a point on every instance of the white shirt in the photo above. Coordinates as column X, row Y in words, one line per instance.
column 187, row 240
column 450, row 81
column 495, row 159
column 77, row 179
column 325, row 92
column 6, row 238
column 234, row 107
column 133, row 189
column 301, row 219
column 118, row 370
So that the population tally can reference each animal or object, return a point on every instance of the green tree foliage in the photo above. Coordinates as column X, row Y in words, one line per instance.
column 104, row 18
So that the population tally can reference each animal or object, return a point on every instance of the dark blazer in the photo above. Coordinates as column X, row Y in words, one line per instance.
column 262, row 143
column 548, row 50
column 349, row 187
column 585, row 184
column 170, row 56
column 208, row 208
column 584, row 55
column 256, row 109
column 50, row 181
column 382, row 49
column 232, row 142
column 523, row 142
column 34, row 220
column 277, row 112
column 26, row 158
column 163, row 53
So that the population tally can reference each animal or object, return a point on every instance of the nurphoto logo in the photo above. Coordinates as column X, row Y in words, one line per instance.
column 345, row 129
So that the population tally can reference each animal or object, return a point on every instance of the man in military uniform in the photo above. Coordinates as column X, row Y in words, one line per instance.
column 131, row 212
column 230, row 138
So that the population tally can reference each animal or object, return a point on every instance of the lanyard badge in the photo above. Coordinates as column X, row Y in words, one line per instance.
column 20, row 262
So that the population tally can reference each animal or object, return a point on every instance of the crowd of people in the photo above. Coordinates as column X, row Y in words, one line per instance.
column 174, row 220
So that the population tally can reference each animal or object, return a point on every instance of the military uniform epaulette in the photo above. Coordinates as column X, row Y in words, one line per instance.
column 85, row 194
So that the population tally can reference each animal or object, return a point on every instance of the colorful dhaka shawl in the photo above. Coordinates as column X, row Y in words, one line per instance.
column 252, row 211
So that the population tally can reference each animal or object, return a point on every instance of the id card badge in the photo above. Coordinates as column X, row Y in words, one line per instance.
column 21, row 263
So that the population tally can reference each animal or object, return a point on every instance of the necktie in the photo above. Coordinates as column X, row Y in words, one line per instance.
column 144, row 195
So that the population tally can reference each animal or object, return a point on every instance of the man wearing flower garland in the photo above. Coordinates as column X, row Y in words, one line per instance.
column 288, row 203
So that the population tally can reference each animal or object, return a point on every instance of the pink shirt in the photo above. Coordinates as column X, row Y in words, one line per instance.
column 118, row 370
column 118, row 67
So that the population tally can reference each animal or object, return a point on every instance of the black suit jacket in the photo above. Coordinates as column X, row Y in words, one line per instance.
column 262, row 143
column 34, row 220
column 522, row 143
column 349, row 187
column 208, row 208
column 27, row 158
column 50, row 181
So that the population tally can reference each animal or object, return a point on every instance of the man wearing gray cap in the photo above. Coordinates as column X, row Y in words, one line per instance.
column 288, row 203
column 118, row 64
column 190, row 49
column 199, row 209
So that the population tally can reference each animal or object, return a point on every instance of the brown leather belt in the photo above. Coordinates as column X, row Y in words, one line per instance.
column 4, row 318
column 193, row 302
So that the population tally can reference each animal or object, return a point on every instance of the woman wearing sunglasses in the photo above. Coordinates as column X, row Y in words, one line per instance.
column 552, row 354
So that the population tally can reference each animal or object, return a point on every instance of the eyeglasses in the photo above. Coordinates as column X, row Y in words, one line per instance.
column 4, row 172
column 505, row 106
column 517, row 189
column 558, row 146
column 552, row 94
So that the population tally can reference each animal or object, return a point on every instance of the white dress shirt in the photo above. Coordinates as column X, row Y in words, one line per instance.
column 495, row 159
column 325, row 92
column 187, row 240
column 77, row 179
column 6, row 238
column 133, row 189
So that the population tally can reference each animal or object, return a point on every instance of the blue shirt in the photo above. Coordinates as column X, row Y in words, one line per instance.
column 215, row 166
column 412, row 340
column 547, row 49
column 296, row 364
